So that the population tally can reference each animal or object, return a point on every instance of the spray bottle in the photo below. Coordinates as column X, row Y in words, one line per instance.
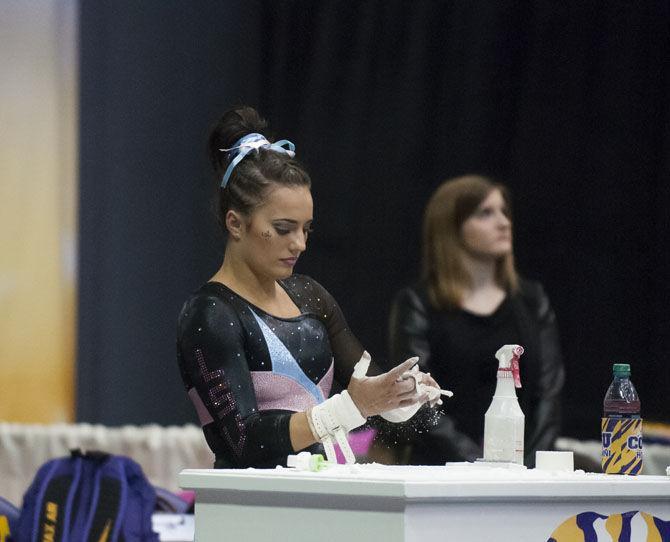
column 504, row 420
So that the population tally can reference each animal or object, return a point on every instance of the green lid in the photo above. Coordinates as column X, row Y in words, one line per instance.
column 317, row 463
column 621, row 369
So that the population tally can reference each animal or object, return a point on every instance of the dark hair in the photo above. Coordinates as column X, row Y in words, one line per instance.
column 253, row 176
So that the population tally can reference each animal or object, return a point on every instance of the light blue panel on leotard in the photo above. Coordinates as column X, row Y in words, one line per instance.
column 284, row 363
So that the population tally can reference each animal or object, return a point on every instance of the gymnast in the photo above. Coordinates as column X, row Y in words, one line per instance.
column 258, row 347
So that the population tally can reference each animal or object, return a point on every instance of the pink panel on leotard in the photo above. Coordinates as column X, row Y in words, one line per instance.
column 327, row 381
column 203, row 414
column 279, row 392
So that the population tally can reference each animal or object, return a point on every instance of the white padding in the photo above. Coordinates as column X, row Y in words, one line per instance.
column 402, row 414
column 332, row 420
column 338, row 411
column 362, row 365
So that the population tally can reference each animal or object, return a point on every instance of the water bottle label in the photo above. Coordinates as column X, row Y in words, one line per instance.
column 622, row 445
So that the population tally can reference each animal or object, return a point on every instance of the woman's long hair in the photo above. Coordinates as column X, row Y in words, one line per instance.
column 442, row 249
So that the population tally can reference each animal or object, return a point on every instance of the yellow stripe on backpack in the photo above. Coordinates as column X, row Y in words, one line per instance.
column 4, row 529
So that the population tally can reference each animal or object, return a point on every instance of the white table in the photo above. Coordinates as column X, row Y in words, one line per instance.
column 429, row 504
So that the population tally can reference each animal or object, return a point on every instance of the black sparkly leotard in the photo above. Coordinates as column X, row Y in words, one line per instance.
column 247, row 371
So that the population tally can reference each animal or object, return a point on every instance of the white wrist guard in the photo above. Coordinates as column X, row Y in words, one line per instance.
column 333, row 419
column 362, row 365
column 402, row 414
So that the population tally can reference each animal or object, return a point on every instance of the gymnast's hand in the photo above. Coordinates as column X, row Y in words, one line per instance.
column 373, row 395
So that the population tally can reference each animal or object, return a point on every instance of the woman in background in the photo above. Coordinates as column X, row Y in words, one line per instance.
column 468, row 303
column 259, row 347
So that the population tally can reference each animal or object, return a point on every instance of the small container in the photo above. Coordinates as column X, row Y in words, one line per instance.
column 306, row 461
column 556, row 461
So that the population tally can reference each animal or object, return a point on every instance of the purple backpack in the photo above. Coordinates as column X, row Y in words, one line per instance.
column 88, row 497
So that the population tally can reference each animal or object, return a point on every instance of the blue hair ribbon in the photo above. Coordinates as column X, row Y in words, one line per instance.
column 249, row 143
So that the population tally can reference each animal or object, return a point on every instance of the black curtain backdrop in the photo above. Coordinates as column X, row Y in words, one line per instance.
column 565, row 102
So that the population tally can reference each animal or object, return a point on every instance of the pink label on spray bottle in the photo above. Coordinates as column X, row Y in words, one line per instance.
column 515, row 366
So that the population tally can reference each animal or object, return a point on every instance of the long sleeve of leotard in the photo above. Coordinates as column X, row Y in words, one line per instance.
column 346, row 348
column 216, row 374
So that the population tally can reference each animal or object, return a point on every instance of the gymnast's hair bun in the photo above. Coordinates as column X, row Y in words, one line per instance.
column 233, row 125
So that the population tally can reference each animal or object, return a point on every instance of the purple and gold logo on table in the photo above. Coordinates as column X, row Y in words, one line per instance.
column 633, row 526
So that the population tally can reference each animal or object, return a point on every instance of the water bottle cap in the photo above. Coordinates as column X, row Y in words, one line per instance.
column 621, row 369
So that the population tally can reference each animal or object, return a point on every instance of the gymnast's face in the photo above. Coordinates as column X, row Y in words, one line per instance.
column 487, row 233
column 275, row 234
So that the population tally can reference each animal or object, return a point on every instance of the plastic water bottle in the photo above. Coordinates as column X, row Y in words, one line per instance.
column 621, row 427
column 504, row 420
